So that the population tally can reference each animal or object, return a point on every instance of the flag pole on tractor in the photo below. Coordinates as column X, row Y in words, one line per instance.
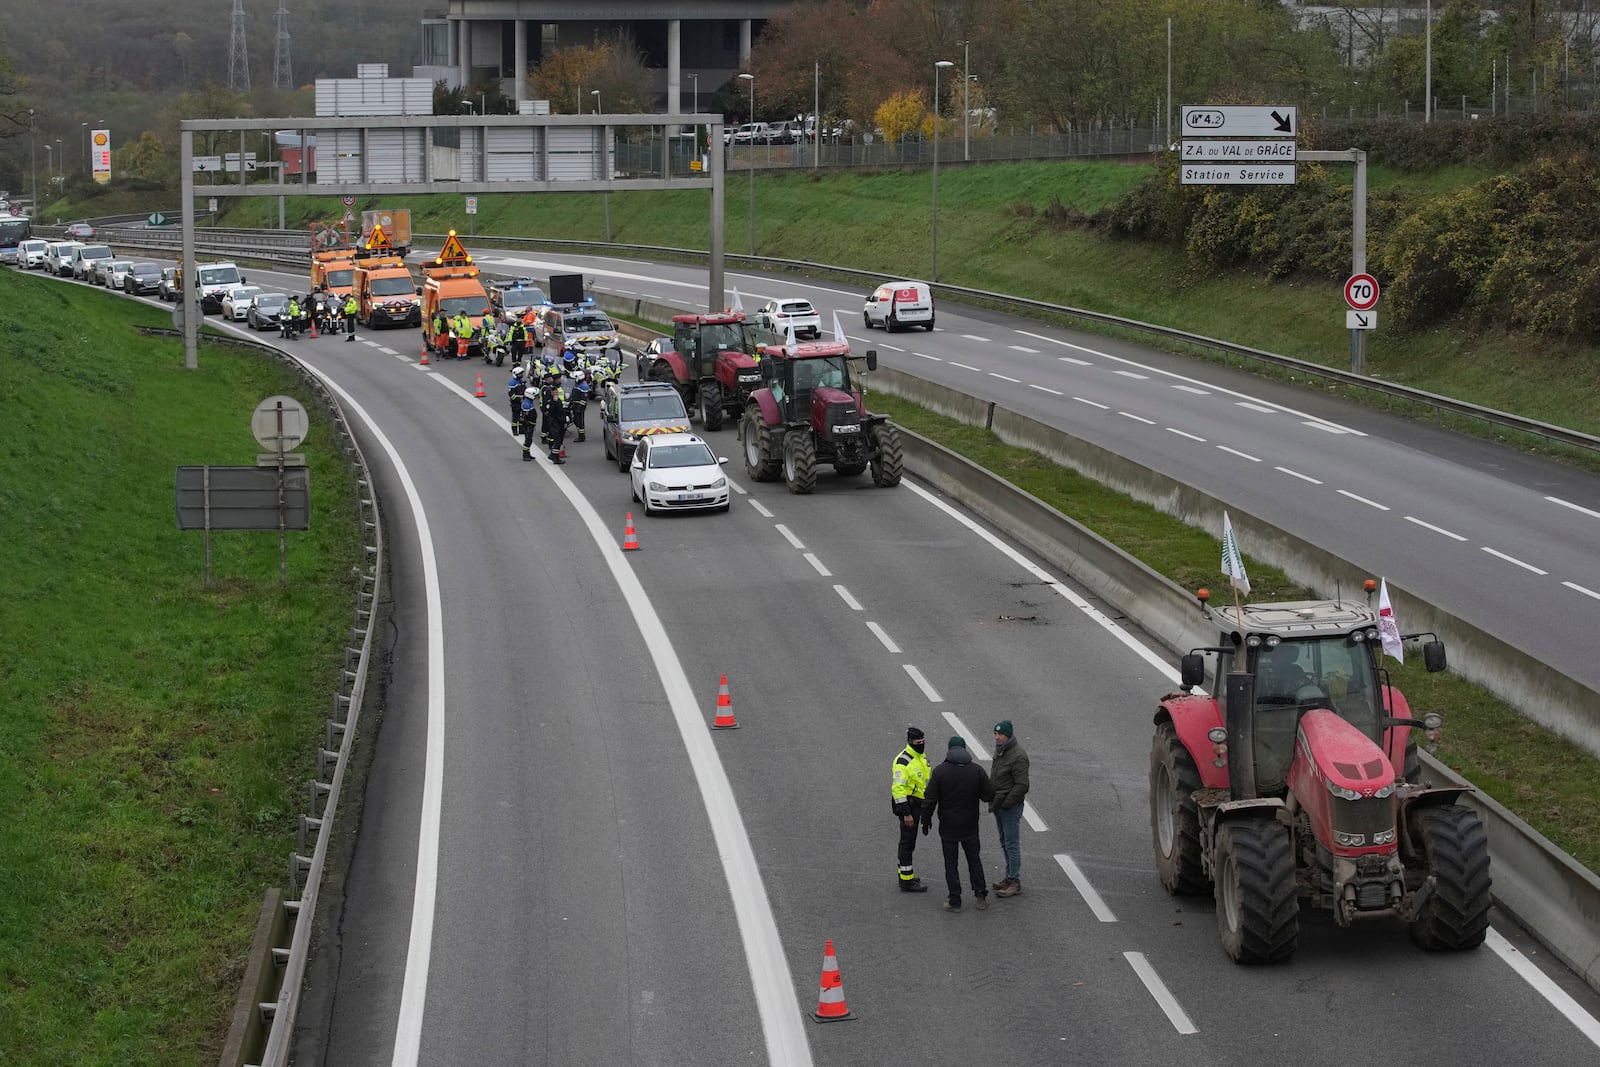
column 1233, row 564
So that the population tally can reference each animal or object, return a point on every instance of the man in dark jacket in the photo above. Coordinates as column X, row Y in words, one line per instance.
column 955, row 789
column 1010, row 772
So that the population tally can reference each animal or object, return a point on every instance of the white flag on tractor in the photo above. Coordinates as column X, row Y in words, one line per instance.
column 1388, row 628
column 788, row 335
column 737, row 305
column 1232, row 559
column 838, row 330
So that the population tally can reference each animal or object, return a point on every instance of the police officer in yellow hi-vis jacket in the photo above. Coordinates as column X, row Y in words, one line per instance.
column 908, row 781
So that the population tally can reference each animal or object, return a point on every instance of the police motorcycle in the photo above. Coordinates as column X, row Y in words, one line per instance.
column 496, row 346
column 288, row 324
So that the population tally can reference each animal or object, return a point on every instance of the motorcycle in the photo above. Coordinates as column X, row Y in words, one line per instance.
column 495, row 348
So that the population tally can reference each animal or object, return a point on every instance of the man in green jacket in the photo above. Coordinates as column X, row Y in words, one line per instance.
column 1010, row 775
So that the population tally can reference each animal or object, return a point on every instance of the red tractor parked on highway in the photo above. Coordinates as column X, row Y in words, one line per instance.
column 1294, row 780
column 713, row 367
column 807, row 412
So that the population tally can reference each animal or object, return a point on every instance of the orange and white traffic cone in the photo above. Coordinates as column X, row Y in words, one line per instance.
column 480, row 393
column 424, row 361
column 831, row 1007
column 630, row 540
column 724, row 719
column 314, row 325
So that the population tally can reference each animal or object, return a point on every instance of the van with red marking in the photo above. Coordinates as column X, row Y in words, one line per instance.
column 898, row 305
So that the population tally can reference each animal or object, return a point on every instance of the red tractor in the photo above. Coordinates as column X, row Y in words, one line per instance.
column 807, row 413
column 1295, row 781
column 713, row 365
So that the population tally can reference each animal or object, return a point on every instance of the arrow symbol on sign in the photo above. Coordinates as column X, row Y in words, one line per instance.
column 1363, row 320
column 1283, row 125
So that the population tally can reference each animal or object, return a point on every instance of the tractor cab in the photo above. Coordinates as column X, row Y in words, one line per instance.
column 704, row 338
column 810, row 382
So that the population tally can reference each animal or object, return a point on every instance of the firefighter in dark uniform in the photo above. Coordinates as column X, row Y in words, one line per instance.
column 578, row 402
column 517, row 334
column 908, row 781
column 555, row 418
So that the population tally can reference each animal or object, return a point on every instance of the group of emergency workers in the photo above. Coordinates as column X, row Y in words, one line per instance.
column 322, row 307
column 560, row 391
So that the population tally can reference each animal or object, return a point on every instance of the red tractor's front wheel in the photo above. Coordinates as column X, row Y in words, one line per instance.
column 1455, row 851
column 888, row 461
column 1258, row 914
column 711, row 405
column 799, row 462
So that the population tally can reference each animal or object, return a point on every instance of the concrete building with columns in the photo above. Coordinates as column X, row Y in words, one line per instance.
column 692, row 47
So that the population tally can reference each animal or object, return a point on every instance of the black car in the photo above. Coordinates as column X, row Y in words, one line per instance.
column 142, row 278
column 647, row 355
column 265, row 310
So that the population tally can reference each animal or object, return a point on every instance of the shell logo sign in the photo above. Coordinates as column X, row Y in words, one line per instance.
column 101, row 155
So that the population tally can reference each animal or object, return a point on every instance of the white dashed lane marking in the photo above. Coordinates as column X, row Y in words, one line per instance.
column 1137, row 418
column 1435, row 529
column 1513, row 560
column 1363, row 500
column 1297, row 474
column 1044, row 389
column 1091, row 403
column 850, row 601
column 1132, row 374
column 1186, row 433
column 1241, row 455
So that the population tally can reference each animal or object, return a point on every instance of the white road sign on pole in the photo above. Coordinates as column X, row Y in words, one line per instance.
column 1238, row 151
column 1237, row 174
column 472, row 205
column 1361, row 320
column 1237, row 121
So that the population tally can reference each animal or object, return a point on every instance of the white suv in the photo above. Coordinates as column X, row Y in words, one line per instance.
column 786, row 313
column 897, row 305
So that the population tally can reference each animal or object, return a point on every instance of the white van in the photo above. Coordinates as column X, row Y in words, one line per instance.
column 30, row 253
column 84, row 258
column 897, row 305
column 58, row 260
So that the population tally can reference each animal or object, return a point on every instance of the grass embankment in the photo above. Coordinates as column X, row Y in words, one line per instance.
column 156, row 735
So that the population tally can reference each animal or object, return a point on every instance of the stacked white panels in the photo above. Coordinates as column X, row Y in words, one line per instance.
column 533, row 107
column 391, row 156
column 374, row 96
column 575, row 154
column 513, row 153
column 372, row 70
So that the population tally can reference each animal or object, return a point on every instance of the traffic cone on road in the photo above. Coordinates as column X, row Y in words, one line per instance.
column 831, row 1007
column 480, row 393
column 724, row 719
column 313, row 325
column 424, row 361
column 630, row 540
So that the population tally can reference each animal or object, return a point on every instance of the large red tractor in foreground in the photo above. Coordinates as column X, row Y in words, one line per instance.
column 1294, row 781
column 713, row 365
column 807, row 412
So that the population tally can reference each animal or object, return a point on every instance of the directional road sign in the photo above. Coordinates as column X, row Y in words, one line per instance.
column 1237, row 174
column 1361, row 292
column 1361, row 320
column 1220, row 151
column 1237, row 121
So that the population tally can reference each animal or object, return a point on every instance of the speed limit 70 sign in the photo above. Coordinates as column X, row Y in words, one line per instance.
column 1361, row 292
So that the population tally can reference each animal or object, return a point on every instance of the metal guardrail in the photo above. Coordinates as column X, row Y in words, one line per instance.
column 221, row 239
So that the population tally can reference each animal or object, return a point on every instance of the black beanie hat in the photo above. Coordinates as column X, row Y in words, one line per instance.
column 913, row 734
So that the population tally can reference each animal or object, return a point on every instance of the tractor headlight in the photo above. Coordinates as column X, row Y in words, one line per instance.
column 1383, row 837
column 1342, row 793
column 1387, row 790
column 1348, row 840
column 1217, row 735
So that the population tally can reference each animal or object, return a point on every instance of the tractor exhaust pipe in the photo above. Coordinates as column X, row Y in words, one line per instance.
column 1240, row 714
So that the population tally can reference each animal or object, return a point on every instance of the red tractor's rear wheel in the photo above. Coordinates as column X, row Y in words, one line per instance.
column 1174, row 817
column 760, row 458
column 1455, row 851
column 1258, row 914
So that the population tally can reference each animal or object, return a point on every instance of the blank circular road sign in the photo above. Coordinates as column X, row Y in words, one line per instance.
column 1361, row 292
column 279, row 423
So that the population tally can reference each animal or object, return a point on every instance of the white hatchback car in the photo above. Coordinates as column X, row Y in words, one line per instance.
column 788, row 313
column 677, row 472
column 897, row 305
column 236, row 302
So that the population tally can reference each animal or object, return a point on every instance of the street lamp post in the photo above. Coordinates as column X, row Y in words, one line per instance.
column 966, row 99
column 695, row 78
column 750, row 162
column 61, row 165
column 33, row 164
column 942, row 64
column 49, row 169
column 85, row 126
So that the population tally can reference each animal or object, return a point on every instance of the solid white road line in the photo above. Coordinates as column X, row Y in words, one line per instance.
column 1574, row 507
column 1559, row 999
column 1158, row 989
column 1186, row 433
column 1297, row 474
column 1085, row 890
column 1163, row 668
column 884, row 638
column 1241, row 455
column 1042, row 389
column 1093, row 404
column 1362, row 500
column 387, row 350
column 844, row 594
column 1513, row 560
column 1575, row 587
column 1137, row 418
column 789, row 536
column 1435, row 529
column 922, row 683
column 760, row 508
column 811, row 558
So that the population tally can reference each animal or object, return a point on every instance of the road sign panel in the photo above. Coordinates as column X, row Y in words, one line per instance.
column 1238, row 174
column 1361, row 320
column 1236, row 121
column 472, row 205
column 1220, row 151
column 349, row 201
column 1361, row 292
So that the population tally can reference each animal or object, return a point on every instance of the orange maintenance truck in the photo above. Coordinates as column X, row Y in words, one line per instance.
column 450, row 285
column 334, row 269
column 386, row 295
